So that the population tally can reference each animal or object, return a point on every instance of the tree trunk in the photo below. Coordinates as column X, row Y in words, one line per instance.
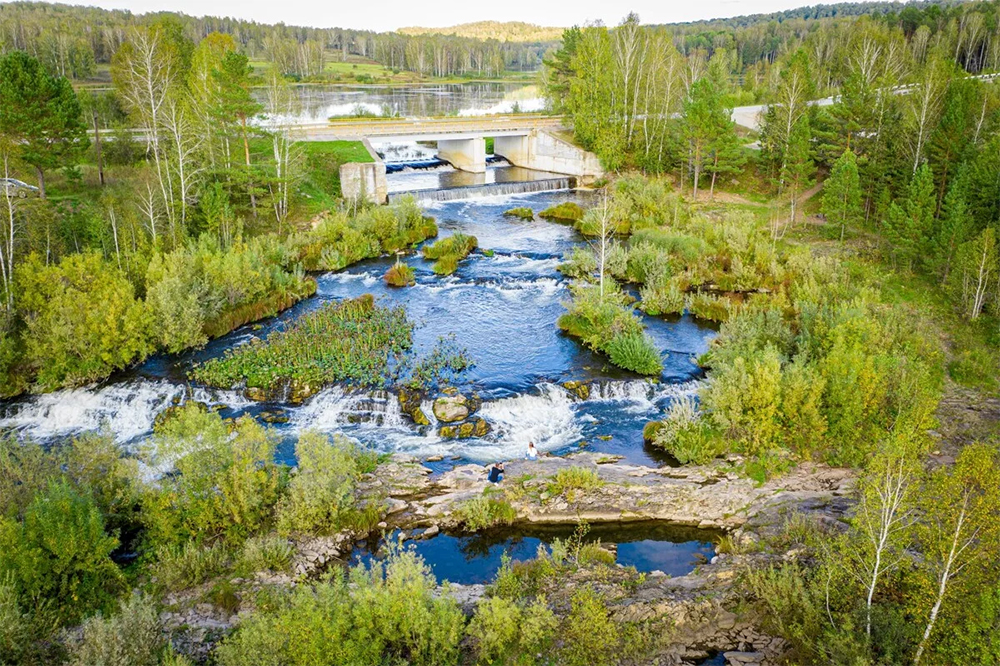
column 97, row 149
column 41, row 182
column 246, row 151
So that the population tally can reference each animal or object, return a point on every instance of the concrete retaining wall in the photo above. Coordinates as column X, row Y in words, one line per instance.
column 544, row 151
column 365, row 179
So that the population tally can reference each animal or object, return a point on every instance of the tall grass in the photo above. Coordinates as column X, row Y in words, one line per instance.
column 449, row 251
column 348, row 341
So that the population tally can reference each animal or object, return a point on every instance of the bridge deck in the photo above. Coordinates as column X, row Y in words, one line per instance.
column 425, row 129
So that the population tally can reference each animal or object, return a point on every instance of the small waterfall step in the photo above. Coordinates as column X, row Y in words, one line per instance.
column 489, row 190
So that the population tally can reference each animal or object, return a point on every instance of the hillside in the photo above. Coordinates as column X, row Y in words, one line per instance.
column 511, row 31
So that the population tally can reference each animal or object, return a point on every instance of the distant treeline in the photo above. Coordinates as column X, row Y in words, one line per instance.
column 72, row 41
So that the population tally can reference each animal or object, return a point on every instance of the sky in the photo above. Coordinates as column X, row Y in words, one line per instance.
column 385, row 15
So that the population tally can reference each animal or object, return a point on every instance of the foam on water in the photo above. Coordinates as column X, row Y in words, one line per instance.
column 640, row 396
column 127, row 409
column 547, row 418
column 336, row 408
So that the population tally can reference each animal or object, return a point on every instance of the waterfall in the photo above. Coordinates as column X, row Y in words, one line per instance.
column 337, row 407
column 127, row 410
column 640, row 395
column 490, row 190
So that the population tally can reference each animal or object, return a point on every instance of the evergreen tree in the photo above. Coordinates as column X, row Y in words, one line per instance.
column 40, row 114
column 705, row 121
column 842, row 193
column 909, row 224
column 797, row 165
column 955, row 225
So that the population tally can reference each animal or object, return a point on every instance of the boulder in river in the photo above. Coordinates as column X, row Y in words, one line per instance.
column 577, row 388
column 409, row 402
column 476, row 427
column 453, row 408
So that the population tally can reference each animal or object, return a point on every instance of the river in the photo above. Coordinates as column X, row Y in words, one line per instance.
column 502, row 309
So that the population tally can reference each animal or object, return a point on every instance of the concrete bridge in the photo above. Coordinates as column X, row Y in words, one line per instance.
column 529, row 141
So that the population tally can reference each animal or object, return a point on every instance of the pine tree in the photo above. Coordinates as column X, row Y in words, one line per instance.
column 842, row 193
column 909, row 224
column 797, row 167
column 955, row 224
column 40, row 114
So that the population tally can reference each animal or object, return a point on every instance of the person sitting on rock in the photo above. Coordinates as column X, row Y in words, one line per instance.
column 496, row 473
column 532, row 452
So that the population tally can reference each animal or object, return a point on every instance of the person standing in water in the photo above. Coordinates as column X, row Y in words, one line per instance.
column 532, row 452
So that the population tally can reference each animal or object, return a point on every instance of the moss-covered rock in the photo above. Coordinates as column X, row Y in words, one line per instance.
column 453, row 407
column 522, row 212
column 577, row 388
column 409, row 403
column 475, row 427
column 564, row 212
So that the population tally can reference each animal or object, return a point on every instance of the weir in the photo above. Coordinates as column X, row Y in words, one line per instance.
column 489, row 190
column 530, row 142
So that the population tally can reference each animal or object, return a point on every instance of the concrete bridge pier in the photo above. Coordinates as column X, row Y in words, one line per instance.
column 464, row 154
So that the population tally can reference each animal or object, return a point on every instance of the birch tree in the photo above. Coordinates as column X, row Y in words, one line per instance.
column 958, row 530
column 923, row 106
column 881, row 525
column 145, row 71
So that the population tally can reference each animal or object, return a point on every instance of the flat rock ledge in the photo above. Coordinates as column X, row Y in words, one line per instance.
column 707, row 496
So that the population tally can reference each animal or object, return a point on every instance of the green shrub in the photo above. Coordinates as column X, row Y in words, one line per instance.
column 710, row 307
column 506, row 632
column 132, row 637
column 320, row 496
column 226, row 482
column 449, row 251
column 522, row 212
column 635, row 352
column 581, row 264
column 206, row 289
column 662, row 298
column 266, row 553
column 686, row 436
column 598, row 322
column 58, row 557
column 400, row 275
column 15, row 624
column 340, row 240
column 181, row 567
column 486, row 511
column 384, row 615
column 347, row 341
column 82, row 320
column 568, row 480
column 516, row 581
column 223, row 596
column 564, row 212
column 589, row 635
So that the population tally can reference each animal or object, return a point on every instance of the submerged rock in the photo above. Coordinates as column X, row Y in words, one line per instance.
column 409, row 403
column 579, row 389
column 476, row 427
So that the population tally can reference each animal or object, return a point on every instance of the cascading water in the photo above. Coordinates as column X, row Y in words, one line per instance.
column 501, row 306
column 490, row 189
column 127, row 409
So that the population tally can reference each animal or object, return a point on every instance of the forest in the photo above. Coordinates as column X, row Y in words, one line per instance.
column 845, row 255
